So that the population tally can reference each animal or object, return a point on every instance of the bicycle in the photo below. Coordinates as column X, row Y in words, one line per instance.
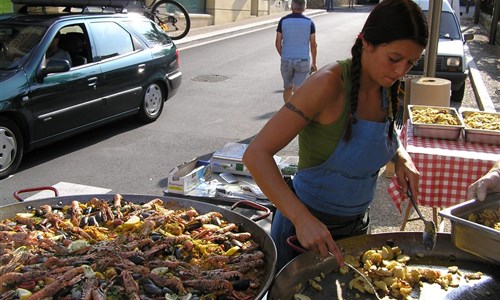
column 170, row 15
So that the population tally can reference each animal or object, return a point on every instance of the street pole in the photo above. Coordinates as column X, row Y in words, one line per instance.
column 494, row 22
column 477, row 11
column 433, row 17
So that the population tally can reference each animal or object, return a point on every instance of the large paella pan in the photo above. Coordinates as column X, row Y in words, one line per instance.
column 295, row 277
column 131, row 247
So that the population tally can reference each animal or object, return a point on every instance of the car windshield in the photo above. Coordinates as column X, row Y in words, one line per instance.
column 16, row 42
column 448, row 27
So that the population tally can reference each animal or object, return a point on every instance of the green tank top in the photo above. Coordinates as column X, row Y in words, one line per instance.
column 317, row 141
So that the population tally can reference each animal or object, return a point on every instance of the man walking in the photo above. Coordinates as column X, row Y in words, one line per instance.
column 295, row 36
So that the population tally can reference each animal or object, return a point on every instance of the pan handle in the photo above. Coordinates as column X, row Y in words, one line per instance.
column 252, row 204
column 34, row 189
column 292, row 242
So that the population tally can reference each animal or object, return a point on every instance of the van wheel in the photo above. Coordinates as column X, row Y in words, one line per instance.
column 458, row 95
column 152, row 103
column 11, row 147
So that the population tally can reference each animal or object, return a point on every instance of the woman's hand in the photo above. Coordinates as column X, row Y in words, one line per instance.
column 407, row 174
column 315, row 236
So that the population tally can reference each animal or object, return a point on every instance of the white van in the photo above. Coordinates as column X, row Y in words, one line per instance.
column 451, row 62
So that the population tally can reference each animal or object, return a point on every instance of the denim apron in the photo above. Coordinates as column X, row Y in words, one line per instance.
column 339, row 191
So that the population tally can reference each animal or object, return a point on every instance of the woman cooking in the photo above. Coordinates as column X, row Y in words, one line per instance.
column 344, row 117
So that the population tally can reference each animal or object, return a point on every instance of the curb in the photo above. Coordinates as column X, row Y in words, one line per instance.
column 241, row 29
column 482, row 97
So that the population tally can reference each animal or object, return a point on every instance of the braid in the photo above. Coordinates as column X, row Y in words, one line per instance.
column 393, row 107
column 355, row 75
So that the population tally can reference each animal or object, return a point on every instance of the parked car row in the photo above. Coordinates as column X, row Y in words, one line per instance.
column 120, row 65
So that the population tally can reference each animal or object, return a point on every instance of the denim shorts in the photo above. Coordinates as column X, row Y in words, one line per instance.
column 294, row 71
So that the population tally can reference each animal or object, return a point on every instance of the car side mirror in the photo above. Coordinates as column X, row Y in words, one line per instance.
column 54, row 65
column 468, row 36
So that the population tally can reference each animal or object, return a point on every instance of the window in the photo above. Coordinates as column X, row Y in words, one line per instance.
column 111, row 39
column 16, row 42
column 448, row 26
column 154, row 34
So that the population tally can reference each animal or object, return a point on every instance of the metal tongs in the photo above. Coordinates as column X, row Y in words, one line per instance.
column 430, row 232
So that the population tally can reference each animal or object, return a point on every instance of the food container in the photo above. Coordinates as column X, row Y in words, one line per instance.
column 437, row 131
column 470, row 236
column 480, row 135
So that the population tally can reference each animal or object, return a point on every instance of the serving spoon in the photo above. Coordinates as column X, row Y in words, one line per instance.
column 430, row 234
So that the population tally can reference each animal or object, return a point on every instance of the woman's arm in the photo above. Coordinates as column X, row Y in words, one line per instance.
column 312, row 101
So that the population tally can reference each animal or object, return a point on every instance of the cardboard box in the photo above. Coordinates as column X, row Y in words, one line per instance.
column 185, row 177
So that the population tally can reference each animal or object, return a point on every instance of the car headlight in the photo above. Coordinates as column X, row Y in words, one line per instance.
column 453, row 62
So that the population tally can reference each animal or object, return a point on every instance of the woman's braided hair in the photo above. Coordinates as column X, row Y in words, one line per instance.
column 389, row 21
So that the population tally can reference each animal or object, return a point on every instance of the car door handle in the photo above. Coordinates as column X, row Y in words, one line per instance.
column 141, row 68
column 92, row 81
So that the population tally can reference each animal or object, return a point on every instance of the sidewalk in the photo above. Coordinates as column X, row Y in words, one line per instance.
column 218, row 31
column 484, row 73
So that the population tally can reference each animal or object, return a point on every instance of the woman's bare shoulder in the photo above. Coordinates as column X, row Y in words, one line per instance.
column 321, row 92
column 326, row 82
column 331, row 74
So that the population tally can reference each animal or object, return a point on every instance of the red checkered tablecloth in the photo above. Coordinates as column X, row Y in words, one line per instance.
column 447, row 168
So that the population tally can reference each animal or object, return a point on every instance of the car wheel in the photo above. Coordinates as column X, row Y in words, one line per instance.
column 11, row 147
column 458, row 95
column 152, row 103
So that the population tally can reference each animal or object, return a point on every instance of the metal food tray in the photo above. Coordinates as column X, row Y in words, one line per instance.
column 437, row 131
column 484, row 136
column 473, row 237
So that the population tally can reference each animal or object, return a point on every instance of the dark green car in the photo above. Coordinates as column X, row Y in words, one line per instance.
column 119, row 65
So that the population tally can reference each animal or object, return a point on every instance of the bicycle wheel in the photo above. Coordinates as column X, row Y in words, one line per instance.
column 172, row 17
